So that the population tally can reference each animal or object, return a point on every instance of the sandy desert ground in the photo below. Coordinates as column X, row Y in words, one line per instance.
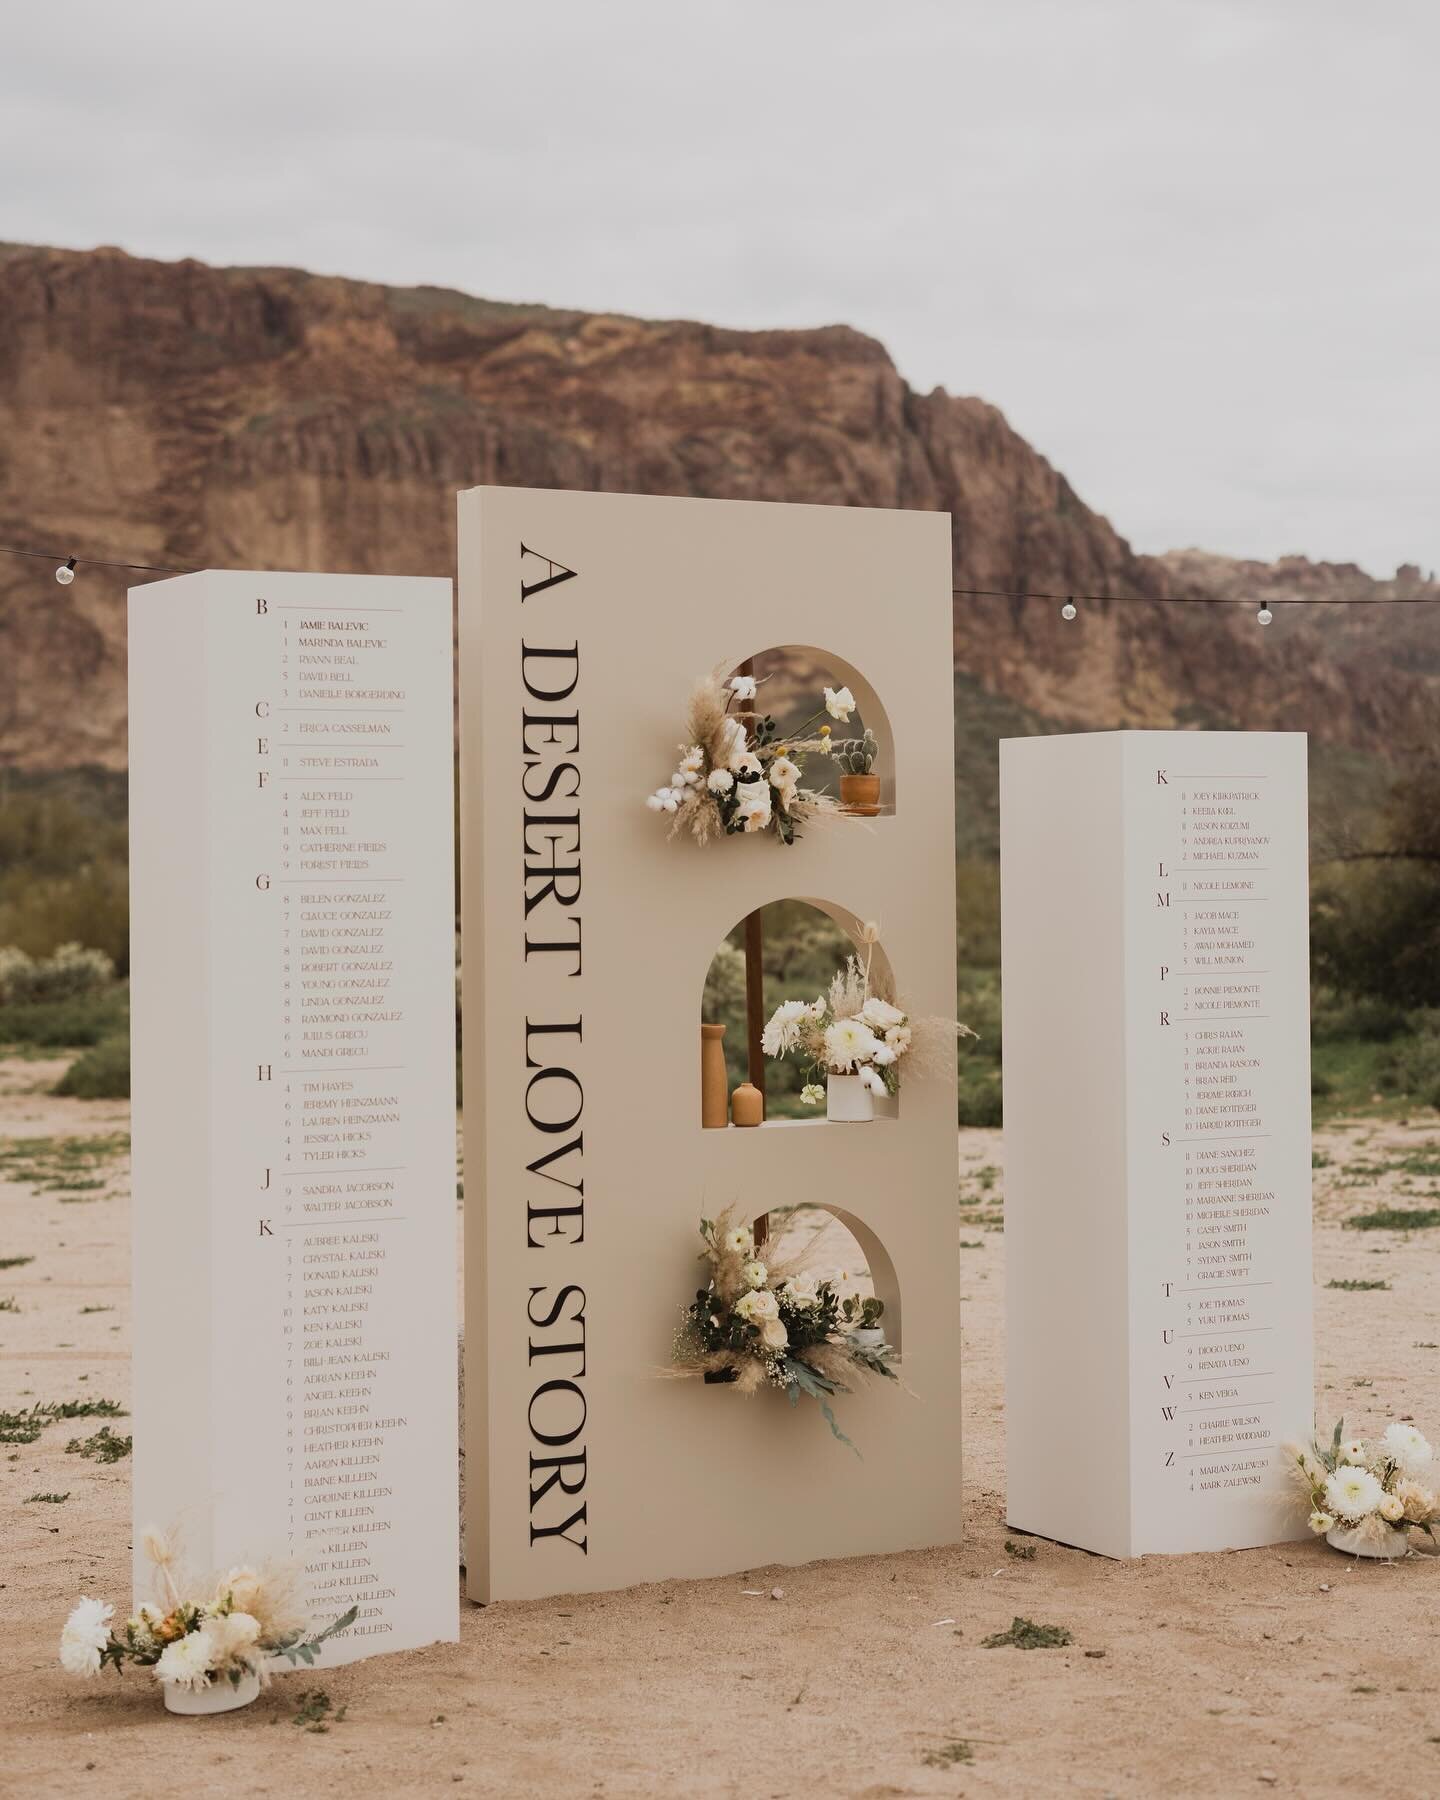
column 1288, row 1670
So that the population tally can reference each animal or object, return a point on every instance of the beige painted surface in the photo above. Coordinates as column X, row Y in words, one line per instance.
column 681, row 1479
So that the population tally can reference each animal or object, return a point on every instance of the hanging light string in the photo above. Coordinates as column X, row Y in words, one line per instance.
column 71, row 563
column 66, row 567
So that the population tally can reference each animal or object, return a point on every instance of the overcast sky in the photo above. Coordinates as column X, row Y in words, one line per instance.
column 1191, row 250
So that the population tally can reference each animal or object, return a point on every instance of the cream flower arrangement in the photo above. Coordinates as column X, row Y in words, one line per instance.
column 760, row 1324
column 1364, row 1496
column 848, row 1031
column 735, row 775
column 224, row 1631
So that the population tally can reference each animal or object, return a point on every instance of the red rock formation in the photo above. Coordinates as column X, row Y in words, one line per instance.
column 266, row 418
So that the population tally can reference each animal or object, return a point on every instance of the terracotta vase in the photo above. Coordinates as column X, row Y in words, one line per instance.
column 860, row 794
column 714, row 1082
column 747, row 1105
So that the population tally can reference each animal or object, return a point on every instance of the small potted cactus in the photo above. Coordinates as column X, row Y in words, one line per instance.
column 859, row 785
column 861, row 1318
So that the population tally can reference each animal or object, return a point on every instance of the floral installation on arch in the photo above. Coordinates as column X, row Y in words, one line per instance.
column 225, row 1630
column 853, row 1034
column 761, row 1322
column 735, row 773
column 1364, row 1497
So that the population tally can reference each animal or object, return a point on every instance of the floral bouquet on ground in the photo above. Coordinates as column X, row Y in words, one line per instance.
column 848, row 1035
column 223, row 1632
column 760, row 1323
column 736, row 775
column 1363, row 1497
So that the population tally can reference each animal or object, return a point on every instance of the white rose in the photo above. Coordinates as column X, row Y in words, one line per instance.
column 839, row 703
column 1407, row 1448
column 784, row 773
column 774, row 1335
column 233, row 1636
column 1392, row 1508
column 881, row 1014
column 243, row 1586
column 744, row 762
column 802, row 1290
column 756, row 1274
column 754, row 808
column 762, row 1305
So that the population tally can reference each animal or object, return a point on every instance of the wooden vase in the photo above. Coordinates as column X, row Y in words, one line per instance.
column 714, row 1082
column 860, row 794
column 747, row 1105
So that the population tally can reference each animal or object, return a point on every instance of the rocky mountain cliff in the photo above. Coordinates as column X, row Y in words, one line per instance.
column 267, row 418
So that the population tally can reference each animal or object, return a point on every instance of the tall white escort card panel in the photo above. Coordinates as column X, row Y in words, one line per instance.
column 585, row 620
column 1157, row 1135
column 293, row 1055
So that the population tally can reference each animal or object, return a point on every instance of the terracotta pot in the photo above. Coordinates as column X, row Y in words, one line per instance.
column 860, row 794
column 714, row 1082
column 847, row 1100
column 221, row 1696
column 747, row 1105
column 1392, row 1546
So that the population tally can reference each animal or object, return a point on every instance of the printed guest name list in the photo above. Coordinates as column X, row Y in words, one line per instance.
column 332, row 1039
column 1217, row 992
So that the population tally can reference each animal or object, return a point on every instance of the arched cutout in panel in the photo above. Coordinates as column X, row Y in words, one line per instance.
column 829, row 1242
column 793, row 678
column 804, row 943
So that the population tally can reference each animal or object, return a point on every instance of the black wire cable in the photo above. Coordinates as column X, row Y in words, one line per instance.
column 101, row 562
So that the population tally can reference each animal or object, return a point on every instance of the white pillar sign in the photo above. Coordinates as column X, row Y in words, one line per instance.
column 1157, row 1135
column 585, row 621
column 292, row 991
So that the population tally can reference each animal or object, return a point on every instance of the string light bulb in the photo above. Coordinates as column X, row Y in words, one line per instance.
column 1264, row 616
column 1068, row 610
column 65, row 574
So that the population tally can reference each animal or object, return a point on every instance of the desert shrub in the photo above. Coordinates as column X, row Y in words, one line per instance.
column 70, row 971
column 100, row 1074
column 39, row 911
column 979, row 1101
column 1411, row 1067
column 1336, row 1020
column 71, row 1024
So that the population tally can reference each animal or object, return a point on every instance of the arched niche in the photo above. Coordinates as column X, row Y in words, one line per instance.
column 793, row 677
column 806, row 1236
column 726, row 999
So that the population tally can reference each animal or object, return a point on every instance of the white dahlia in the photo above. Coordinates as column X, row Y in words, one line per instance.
column 847, row 1042
column 1352, row 1492
column 86, row 1633
column 188, row 1661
